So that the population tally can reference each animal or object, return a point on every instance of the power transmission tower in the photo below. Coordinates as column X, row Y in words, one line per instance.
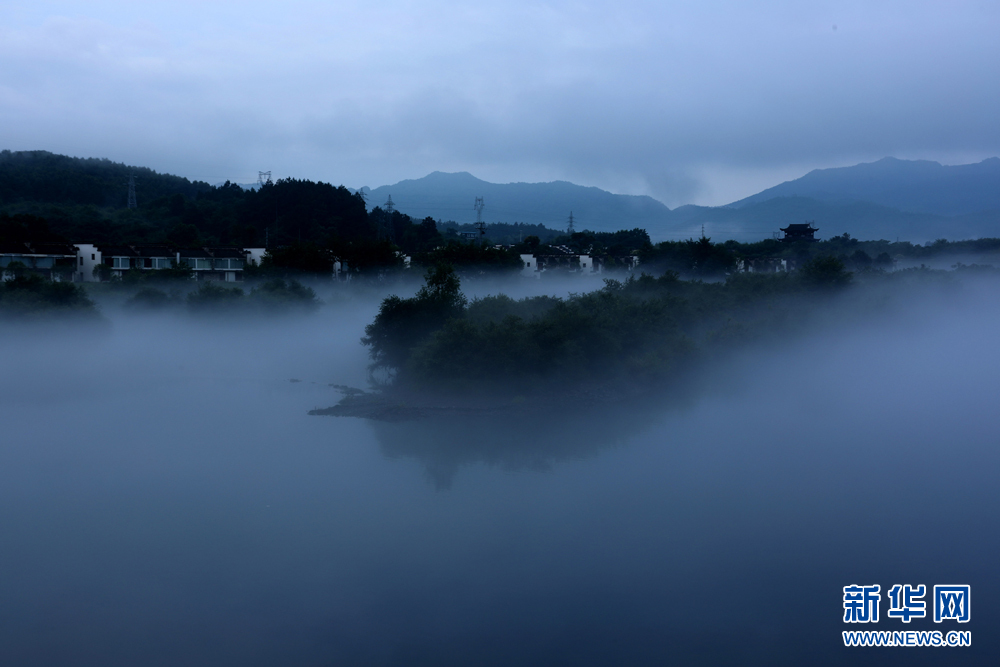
column 386, row 230
column 263, row 178
column 131, row 190
column 569, row 228
column 480, row 225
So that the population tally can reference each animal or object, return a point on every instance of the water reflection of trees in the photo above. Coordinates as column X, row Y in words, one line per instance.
column 515, row 441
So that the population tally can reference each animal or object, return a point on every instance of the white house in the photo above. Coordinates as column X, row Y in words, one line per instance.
column 254, row 255
column 88, row 256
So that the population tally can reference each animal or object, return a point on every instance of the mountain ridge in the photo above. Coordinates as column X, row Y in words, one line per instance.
column 914, row 186
column 450, row 196
column 916, row 199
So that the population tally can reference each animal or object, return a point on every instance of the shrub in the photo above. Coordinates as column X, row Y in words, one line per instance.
column 211, row 296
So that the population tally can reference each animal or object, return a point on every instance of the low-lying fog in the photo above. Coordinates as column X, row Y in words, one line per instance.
column 165, row 499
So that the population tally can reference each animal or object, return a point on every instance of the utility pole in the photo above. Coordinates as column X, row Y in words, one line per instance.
column 131, row 190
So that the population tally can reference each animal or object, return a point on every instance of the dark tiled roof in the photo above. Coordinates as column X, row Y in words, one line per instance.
column 19, row 248
column 117, row 251
column 228, row 252
column 194, row 252
column 52, row 249
column 14, row 248
column 155, row 251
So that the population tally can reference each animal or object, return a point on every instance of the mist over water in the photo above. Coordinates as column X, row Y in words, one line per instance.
column 166, row 499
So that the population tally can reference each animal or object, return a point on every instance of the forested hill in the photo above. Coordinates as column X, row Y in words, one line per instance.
column 43, row 177
column 54, row 197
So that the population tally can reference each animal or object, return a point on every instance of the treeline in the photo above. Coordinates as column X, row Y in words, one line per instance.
column 30, row 297
column 216, row 300
column 502, row 232
column 700, row 258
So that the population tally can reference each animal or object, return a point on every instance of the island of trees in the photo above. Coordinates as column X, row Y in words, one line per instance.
column 630, row 336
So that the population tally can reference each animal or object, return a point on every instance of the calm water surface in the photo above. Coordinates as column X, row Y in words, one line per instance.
column 165, row 500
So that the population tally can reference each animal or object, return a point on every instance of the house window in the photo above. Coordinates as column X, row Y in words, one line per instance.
column 93, row 257
column 81, row 261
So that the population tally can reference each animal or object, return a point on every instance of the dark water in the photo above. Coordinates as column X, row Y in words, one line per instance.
column 166, row 500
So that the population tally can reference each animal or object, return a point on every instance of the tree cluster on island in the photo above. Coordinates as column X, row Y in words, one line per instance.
column 630, row 335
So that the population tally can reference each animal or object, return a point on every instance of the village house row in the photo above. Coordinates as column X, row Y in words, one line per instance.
column 77, row 263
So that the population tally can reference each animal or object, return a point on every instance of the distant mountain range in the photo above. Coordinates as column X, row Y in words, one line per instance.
column 917, row 200
column 915, row 186
column 913, row 200
column 451, row 197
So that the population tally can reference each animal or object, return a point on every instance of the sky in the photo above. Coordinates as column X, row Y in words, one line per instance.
column 691, row 103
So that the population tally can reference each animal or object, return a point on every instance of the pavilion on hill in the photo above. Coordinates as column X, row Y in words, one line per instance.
column 799, row 232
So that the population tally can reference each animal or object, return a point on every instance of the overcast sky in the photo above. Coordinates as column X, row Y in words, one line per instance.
column 700, row 102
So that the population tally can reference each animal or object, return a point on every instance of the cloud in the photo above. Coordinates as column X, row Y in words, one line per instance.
column 637, row 97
